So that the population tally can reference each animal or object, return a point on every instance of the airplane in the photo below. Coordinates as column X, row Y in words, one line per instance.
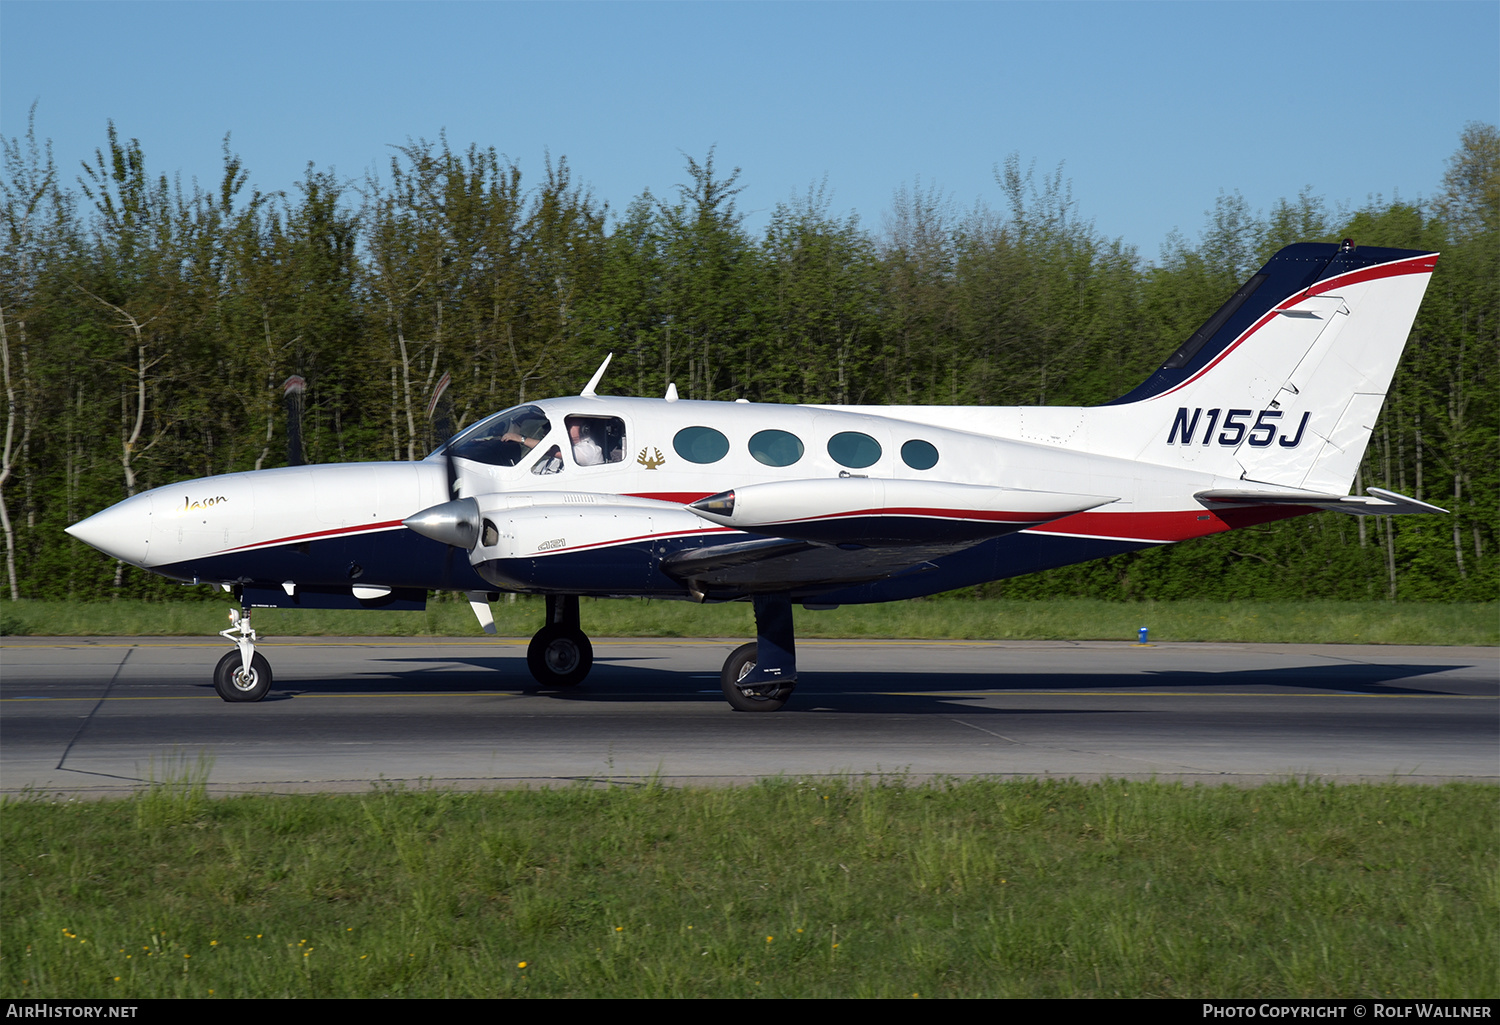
column 1262, row 414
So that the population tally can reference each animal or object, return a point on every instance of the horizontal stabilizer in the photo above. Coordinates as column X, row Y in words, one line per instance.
column 875, row 511
column 1378, row 503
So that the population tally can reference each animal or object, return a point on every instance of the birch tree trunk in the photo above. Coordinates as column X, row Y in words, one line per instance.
column 8, row 458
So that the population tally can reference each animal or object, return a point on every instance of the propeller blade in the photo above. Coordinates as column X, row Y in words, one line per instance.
column 441, row 417
column 440, row 423
column 452, row 468
column 291, row 390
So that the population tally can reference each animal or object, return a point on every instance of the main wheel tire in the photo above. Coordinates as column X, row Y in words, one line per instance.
column 765, row 698
column 234, row 684
column 559, row 656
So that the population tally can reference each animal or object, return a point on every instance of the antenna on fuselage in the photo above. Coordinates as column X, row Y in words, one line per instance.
column 671, row 395
column 588, row 389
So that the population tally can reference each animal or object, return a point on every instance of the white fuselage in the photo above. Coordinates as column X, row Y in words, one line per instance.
column 256, row 526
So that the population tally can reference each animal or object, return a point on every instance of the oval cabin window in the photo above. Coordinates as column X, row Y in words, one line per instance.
column 776, row 448
column 919, row 455
column 852, row 449
column 700, row 444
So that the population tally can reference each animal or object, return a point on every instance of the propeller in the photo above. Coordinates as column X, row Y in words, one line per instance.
column 291, row 390
column 455, row 522
column 442, row 418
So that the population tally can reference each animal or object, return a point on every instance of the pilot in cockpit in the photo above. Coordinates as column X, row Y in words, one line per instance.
column 521, row 435
column 552, row 462
column 505, row 438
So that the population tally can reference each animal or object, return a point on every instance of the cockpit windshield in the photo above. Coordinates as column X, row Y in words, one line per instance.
column 503, row 439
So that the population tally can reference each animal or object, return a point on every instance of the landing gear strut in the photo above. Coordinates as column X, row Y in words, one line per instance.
column 761, row 675
column 242, row 675
column 560, row 654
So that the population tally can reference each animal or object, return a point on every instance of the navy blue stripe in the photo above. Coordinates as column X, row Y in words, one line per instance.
column 390, row 558
column 404, row 559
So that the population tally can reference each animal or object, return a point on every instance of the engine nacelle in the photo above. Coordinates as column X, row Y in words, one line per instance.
column 564, row 542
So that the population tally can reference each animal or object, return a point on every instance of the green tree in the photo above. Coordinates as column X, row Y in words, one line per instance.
column 708, row 294
column 820, row 328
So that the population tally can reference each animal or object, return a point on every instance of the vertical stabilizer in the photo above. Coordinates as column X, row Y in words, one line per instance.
column 1282, row 386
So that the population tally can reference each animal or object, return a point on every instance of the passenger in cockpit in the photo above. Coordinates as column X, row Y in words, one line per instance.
column 586, row 451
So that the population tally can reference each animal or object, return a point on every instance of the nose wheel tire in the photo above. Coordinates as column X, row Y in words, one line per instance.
column 768, row 697
column 234, row 684
column 559, row 656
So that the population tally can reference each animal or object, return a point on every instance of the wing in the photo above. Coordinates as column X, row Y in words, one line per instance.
column 819, row 533
column 875, row 512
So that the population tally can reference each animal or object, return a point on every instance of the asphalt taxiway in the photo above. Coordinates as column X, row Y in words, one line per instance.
column 94, row 716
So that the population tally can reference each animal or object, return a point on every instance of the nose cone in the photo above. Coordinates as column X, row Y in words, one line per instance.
column 122, row 531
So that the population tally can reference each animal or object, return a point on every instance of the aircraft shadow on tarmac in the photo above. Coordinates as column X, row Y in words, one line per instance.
column 835, row 691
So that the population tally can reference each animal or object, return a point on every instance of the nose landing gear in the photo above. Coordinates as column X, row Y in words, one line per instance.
column 242, row 675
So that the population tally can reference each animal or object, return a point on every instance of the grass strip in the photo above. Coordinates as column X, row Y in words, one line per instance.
column 1312, row 622
column 822, row 887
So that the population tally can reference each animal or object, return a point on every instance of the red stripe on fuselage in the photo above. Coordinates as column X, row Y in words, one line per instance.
column 678, row 497
column 1166, row 527
column 1162, row 527
column 363, row 528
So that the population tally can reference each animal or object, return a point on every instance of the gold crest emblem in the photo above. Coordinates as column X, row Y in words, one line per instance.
column 651, row 462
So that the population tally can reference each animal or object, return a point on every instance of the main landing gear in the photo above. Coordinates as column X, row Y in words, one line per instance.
column 761, row 675
column 560, row 654
column 757, row 677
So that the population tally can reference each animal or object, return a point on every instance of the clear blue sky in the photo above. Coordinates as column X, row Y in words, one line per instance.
column 1152, row 108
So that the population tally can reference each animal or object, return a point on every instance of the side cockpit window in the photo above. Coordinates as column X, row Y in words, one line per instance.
column 596, row 439
column 551, row 462
column 504, row 439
